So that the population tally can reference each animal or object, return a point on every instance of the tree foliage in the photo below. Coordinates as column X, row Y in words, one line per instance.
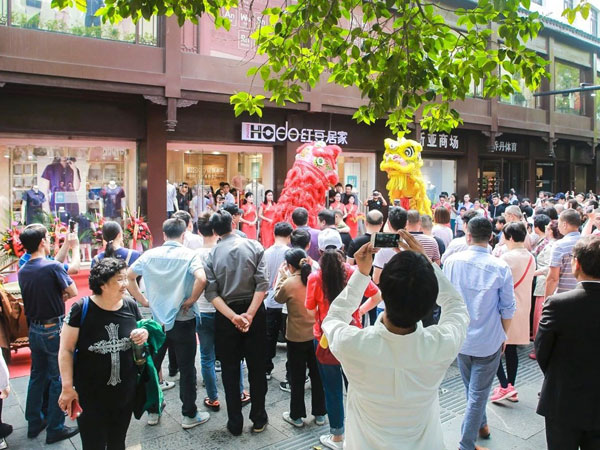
column 407, row 58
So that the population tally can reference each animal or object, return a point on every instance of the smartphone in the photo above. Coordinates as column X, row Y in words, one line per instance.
column 385, row 240
column 75, row 410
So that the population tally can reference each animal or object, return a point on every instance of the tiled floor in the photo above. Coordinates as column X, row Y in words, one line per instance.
column 513, row 425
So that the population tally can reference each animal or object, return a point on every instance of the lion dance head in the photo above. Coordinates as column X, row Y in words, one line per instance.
column 307, row 182
column 402, row 162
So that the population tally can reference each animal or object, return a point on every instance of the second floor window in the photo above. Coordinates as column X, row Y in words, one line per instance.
column 568, row 4
column 594, row 22
column 567, row 77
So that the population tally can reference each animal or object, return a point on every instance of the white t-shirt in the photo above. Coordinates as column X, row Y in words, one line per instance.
column 204, row 306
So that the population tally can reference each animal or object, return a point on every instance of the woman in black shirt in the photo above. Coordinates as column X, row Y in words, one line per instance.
column 102, row 376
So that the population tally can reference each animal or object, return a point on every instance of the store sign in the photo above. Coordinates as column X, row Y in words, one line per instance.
column 505, row 147
column 440, row 141
column 266, row 132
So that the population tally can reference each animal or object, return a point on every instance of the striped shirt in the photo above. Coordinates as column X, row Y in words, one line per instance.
column 561, row 257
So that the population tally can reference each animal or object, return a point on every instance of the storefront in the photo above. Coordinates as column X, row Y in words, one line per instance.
column 64, row 178
column 441, row 155
column 552, row 171
column 504, row 166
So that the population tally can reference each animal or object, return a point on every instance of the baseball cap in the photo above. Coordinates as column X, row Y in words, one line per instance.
column 329, row 238
column 232, row 208
column 560, row 196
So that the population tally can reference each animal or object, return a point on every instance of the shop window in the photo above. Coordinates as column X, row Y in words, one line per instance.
column 568, row 77
column 73, row 180
column 39, row 15
column 440, row 176
column 205, row 167
column 581, row 178
column 544, row 176
column 524, row 97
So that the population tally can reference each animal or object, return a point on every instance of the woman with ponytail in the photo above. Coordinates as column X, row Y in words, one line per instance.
column 299, row 336
column 323, row 286
column 112, row 236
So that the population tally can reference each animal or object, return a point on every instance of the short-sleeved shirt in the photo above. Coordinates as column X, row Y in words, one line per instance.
column 104, row 367
column 33, row 206
column 561, row 257
column 168, row 272
column 126, row 254
column 428, row 243
column 112, row 201
column 42, row 282
column 171, row 197
column 375, row 204
column 274, row 257
column 315, row 298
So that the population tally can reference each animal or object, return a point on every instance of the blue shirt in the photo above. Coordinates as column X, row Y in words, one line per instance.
column 126, row 254
column 42, row 282
column 27, row 256
column 561, row 257
column 168, row 272
column 274, row 257
column 486, row 284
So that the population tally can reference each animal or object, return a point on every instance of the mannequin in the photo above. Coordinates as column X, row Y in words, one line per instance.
column 256, row 188
column 113, row 200
column 238, row 181
column 31, row 205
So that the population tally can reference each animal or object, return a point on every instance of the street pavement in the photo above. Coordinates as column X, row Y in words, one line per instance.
column 514, row 426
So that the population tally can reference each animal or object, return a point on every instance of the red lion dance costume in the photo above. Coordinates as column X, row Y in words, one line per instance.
column 308, row 181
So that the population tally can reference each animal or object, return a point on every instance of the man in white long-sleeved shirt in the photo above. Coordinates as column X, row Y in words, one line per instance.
column 395, row 367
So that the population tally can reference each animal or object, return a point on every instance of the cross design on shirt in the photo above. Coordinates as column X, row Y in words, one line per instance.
column 113, row 345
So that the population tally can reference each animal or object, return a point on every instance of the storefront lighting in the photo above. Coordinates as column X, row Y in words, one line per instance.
column 6, row 154
column 216, row 153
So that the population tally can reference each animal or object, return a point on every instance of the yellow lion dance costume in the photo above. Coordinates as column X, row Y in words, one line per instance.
column 402, row 162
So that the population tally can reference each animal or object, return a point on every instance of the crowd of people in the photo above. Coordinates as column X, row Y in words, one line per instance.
column 470, row 282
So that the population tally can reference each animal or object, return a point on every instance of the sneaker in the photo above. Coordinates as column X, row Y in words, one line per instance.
column 268, row 376
column 153, row 419
column 217, row 366
column 298, row 423
column 3, row 444
column 285, row 386
column 501, row 393
column 259, row 429
column 166, row 385
column 191, row 422
column 514, row 398
column 327, row 441
column 320, row 421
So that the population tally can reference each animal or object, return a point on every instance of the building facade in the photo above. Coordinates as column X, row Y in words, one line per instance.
column 84, row 104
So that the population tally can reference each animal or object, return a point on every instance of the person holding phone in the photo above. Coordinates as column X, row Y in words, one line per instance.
column 381, row 412
column 103, row 378
column 375, row 201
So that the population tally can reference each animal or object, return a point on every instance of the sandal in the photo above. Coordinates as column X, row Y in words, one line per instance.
column 215, row 405
column 245, row 398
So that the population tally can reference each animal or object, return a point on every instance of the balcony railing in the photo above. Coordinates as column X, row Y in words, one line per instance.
column 39, row 15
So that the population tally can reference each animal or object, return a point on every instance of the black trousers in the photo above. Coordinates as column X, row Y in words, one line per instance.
column 512, row 364
column 301, row 355
column 182, row 339
column 563, row 437
column 274, row 318
column 104, row 426
column 231, row 346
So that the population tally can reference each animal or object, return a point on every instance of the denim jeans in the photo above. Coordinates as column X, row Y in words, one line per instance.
column 333, row 385
column 44, row 342
column 205, row 327
column 478, row 374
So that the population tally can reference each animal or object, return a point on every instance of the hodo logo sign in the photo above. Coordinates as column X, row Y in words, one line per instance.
column 266, row 132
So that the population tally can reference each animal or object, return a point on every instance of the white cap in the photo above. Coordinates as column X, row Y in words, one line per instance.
column 329, row 237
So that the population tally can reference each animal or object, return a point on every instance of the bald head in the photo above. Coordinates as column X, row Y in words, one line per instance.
column 374, row 221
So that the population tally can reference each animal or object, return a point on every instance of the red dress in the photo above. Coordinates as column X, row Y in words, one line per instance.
column 249, row 215
column 336, row 205
column 352, row 219
column 266, row 228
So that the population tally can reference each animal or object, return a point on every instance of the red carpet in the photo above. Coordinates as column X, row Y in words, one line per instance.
column 20, row 364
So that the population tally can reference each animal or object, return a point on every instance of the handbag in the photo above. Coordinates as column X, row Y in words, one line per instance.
column 322, row 352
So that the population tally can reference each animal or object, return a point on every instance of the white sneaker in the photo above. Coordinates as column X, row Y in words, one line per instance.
column 166, row 385
column 3, row 444
column 153, row 419
column 327, row 441
column 191, row 422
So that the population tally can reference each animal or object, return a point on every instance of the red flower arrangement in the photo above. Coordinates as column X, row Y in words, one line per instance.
column 137, row 230
column 11, row 244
